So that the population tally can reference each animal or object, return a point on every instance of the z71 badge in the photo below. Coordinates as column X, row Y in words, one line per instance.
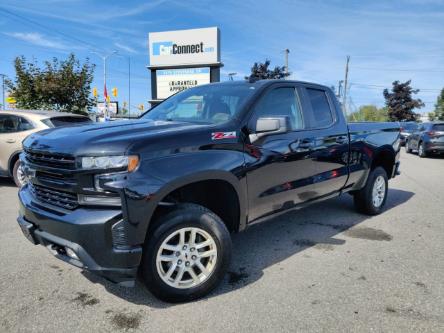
column 223, row 135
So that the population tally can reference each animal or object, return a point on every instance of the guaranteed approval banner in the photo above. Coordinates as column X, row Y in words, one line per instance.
column 171, row 81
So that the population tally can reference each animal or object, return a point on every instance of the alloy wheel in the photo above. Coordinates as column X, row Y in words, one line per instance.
column 378, row 193
column 186, row 258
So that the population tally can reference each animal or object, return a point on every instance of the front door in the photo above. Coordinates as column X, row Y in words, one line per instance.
column 280, row 167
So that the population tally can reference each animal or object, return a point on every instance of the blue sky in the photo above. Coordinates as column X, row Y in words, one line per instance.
column 387, row 40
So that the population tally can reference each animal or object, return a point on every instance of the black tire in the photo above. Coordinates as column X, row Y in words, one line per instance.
column 185, row 216
column 363, row 199
column 17, row 179
column 408, row 150
column 422, row 152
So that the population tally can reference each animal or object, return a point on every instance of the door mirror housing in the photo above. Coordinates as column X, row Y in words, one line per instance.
column 269, row 125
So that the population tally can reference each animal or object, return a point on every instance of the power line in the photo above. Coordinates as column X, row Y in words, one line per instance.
column 386, row 69
column 50, row 30
column 363, row 85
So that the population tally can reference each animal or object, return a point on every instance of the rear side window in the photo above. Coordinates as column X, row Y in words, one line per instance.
column 322, row 115
column 13, row 124
column 438, row 127
column 65, row 121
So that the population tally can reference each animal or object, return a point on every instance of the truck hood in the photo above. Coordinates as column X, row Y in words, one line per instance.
column 102, row 138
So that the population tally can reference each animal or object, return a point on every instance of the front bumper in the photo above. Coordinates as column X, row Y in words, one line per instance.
column 85, row 231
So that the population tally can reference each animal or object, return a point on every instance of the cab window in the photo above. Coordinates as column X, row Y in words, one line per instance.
column 280, row 102
column 322, row 115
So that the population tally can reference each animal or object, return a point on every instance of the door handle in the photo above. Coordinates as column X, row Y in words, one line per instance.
column 306, row 144
column 341, row 139
column 10, row 140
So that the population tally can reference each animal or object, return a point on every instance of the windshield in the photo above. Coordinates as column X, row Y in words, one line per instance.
column 409, row 126
column 438, row 127
column 65, row 121
column 209, row 104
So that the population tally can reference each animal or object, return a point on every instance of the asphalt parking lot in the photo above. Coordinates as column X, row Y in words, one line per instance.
column 323, row 268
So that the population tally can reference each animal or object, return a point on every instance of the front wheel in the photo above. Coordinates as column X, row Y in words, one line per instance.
column 371, row 198
column 186, row 255
column 17, row 173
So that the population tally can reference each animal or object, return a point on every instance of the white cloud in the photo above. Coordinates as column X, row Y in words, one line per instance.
column 37, row 39
column 126, row 48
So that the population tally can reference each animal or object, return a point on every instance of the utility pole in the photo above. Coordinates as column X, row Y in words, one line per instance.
column 340, row 88
column 286, row 52
column 104, row 57
column 231, row 75
column 344, row 100
column 3, row 91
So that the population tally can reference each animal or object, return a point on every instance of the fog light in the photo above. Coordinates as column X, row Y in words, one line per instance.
column 70, row 253
column 99, row 200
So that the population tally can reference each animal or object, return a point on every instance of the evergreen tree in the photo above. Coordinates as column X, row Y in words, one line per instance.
column 260, row 71
column 400, row 102
column 439, row 106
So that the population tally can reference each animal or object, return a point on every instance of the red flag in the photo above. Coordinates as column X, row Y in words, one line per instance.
column 105, row 93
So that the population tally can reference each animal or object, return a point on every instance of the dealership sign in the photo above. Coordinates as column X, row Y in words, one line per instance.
column 171, row 81
column 184, row 47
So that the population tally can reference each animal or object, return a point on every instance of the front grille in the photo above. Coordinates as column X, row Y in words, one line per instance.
column 56, row 198
column 61, row 161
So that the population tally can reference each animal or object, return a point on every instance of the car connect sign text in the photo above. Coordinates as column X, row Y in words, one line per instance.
column 184, row 47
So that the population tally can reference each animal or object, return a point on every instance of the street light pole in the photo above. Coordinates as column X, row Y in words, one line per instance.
column 3, row 91
column 129, row 87
column 104, row 57
column 129, row 83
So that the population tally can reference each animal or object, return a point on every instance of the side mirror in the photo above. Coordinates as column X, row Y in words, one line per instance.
column 268, row 126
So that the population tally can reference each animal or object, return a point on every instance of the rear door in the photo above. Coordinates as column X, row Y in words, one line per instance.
column 13, row 129
column 328, row 133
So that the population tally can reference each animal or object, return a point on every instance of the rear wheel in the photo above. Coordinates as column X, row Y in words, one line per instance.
column 17, row 173
column 408, row 150
column 187, row 254
column 372, row 197
column 422, row 152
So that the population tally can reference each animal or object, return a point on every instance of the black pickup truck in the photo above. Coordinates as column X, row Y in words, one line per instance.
column 160, row 195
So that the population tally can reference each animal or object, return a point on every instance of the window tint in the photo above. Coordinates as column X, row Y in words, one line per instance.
column 280, row 102
column 190, row 108
column 208, row 104
column 12, row 124
column 438, row 127
column 24, row 125
column 322, row 115
column 409, row 126
column 65, row 121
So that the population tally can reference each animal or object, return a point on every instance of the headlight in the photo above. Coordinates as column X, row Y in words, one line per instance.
column 111, row 162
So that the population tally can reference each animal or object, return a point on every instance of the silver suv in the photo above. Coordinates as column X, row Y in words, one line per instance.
column 16, row 125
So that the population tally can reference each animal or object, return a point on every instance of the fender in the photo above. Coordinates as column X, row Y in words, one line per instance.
column 11, row 159
column 154, row 180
